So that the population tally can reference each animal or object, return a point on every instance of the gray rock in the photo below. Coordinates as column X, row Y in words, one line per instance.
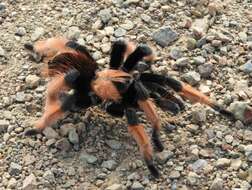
column 64, row 129
column 32, row 81
column 109, row 164
column 2, row 52
column 174, row 174
column 105, row 47
column 105, row 15
column 199, row 165
column 248, row 152
column 50, row 142
column 192, row 77
column 164, row 156
column 71, row 171
column 199, row 115
column 20, row 31
column 97, row 55
column 20, row 97
column 90, row 159
column 216, row 43
column 205, row 70
column 247, row 135
column 247, row 67
column 109, row 30
column 215, row 7
column 127, row 25
column 192, row 128
column 191, row 43
column 115, row 187
column 39, row 32
column 146, row 18
column 208, row 48
column 236, row 164
column 200, row 27
column 176, row 53
column 119, row 32
column 118, row 2
column 165, row 36
column 49, row 176
column 50, row 133
column 217, row 184
column 63, row 144
column 116, row 145
column 192, row 178
column 201, row 42
column 240, row 110
column 3, row 126
column 29, row 159
column 73, row 32
column 229, row 138
column 12, row 183
column 6, row 137
column 137, row 186
column 97, row 25
column 199, row 60
column 222, row 162
column 15, row 169
column 30, row 182
column 73, row 136
column 133, row 177
column 2, row 7
column 249, row 157
column 243, row 36
column 182, row 62
column 132, row 1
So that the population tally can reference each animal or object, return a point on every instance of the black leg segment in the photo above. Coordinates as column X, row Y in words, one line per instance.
column 117, row 54
column 133, row 59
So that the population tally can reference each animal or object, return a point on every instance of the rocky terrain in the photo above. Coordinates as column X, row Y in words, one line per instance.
column 205, row 43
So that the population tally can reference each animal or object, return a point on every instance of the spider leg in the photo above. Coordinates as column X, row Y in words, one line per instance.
column 142, row 139
column 164, row 98
column 77, row 47
column 144, row 103
column 141, row 52
column 119, row 52
column 150, row 111
column 185, row 90
column 46, row 48
column 114, row 108
column 53, row 108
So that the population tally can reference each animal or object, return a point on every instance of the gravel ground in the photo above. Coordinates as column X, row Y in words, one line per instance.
column 205, row 44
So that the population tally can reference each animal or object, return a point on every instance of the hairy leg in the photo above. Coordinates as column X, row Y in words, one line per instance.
column 120, row 51
column 185, row 90
column 142, row 139
column 150, row 111
column 140, row 53
column 53, row 109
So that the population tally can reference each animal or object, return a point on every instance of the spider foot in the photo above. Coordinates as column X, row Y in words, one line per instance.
column 32, row 132
column 158, row 145
column 157, row 142
column 153, row 170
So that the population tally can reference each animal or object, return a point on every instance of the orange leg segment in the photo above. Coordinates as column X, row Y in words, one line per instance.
column 149, row 109
column 53, row 109
column 142, row 139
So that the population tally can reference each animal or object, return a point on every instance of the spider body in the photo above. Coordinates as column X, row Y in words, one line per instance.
column 77, row 83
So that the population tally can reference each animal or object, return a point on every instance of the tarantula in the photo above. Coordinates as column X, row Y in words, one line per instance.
column 77, row 82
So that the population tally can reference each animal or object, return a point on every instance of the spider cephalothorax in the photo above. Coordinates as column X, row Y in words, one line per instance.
column 77, row 83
